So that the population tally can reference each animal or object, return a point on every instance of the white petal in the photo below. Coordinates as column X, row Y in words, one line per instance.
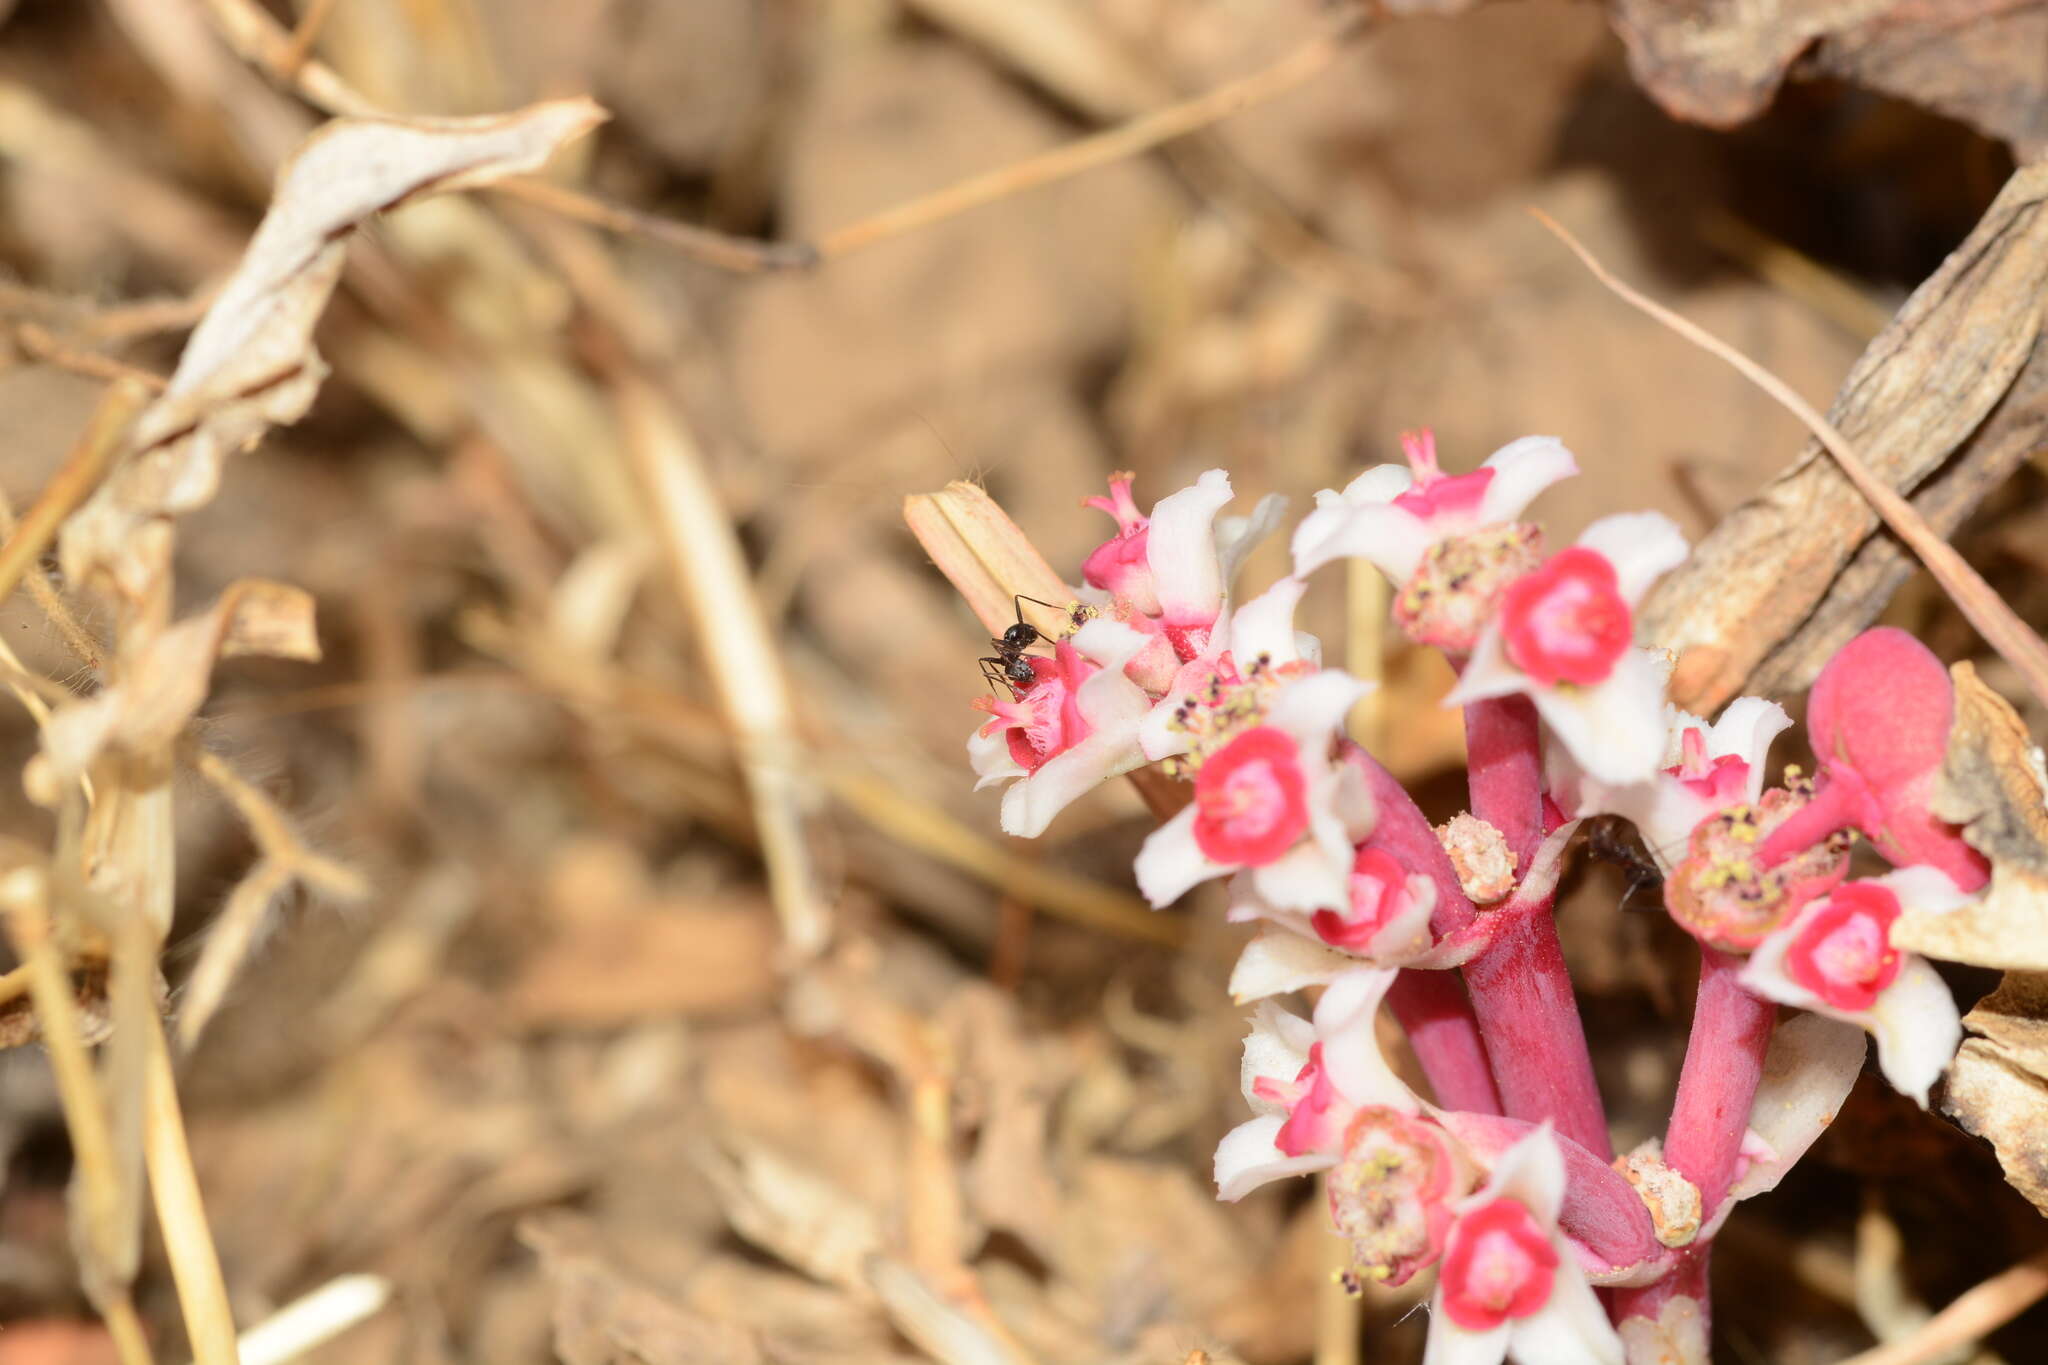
column 1812, row 1063
column 1312, row 708
column 1171, row 862
column 1305, row 877
column 1450, row 1344
column 1247, row 1158
column 1615, row 728
column 1030, row 805
column 1521, row 470
column 1237, row 537
column 1765, row 975
column 1917, row 1028
column 990, row 755
column 1532, row 1174
column 1392, row 538
column 1181, row 550
column 1109, row 642
column 1351, row 1047
column 1925, row 888
column 1280, row 960
column 1746, row 728
column 1265, row 625
column 1677, row 1337
column 1640, row 545
column 1571, row 1329
column 1380, row 483
column 1488, row 673
column 1276, row 1049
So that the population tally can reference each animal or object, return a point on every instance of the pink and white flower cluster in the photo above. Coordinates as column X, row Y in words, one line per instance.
column 1510, row 1192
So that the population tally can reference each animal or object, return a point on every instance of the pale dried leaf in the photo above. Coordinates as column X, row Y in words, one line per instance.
column 250, row 364
column 1998, row 1084
column 163, row 685
column 1993, row 785
column 792, row 1214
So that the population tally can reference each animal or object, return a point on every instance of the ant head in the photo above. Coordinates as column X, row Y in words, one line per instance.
column 1021, row 672
column 1020, row 636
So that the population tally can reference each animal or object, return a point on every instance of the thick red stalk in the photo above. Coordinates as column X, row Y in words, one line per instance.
column 1522, row 997
column 1521, row 992
column 1724, row 1061
column 1431, row 1007
column 1504, row 757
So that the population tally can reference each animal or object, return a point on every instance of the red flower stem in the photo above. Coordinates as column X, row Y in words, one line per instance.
column 1724, row 1062
column 1432, row 1009
column 1503, row 756
column 1521, row 991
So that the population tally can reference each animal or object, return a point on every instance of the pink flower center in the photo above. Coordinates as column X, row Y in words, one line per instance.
column 1844, row 954
column 1567, row 622
column 1379, row 893
column 1315, row 1111
column 1435, row 494
column 1251, row 799
column 1498, row 1264
column 1045, row 719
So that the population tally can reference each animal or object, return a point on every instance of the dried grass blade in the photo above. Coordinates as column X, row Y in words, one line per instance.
column 73, row 483
column 102, row 1242
column 709, row 573
column 1978, row 1311
column 1993, row 617
column 181, row 1212
column 983, row 554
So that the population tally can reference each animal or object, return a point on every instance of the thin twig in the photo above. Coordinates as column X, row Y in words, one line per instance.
column 1980, row 1310
column 303, row 37
column 188, row 1242
column 1140, row 134
column 42, row 344
column 73, row 482
column 97, row 1185
column 1994, row 619
column 83, row 647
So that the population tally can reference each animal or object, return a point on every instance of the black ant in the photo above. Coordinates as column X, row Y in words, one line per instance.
column 1009, row 665
column 1612, row 840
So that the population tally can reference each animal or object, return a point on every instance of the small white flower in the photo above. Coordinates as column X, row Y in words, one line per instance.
column 1509, row 1281
column 1304, row 1080
column 1563, row 636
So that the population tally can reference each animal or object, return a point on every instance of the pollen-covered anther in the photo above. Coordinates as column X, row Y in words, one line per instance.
column 1724, row 895
column 1232, row 701
column 1457, row 587
column 1480, row 856
column 1672, row 1200
column 1390, row 1195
